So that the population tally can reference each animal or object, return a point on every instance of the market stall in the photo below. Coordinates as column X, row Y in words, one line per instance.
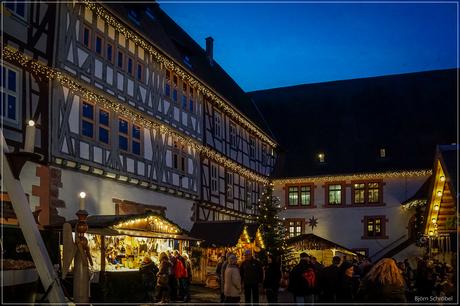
column 118, row 244
column 220, row 238
column 323, row 249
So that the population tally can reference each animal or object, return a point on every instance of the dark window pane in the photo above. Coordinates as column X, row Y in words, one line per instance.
column 10, row 5
column 123, row 126
column 139, row 72
column 109, row 52
column 130, row 65
column 136, row 132
column 86, row 37
column 167, row 90
column 184, row 102
column 123, row 142
column 136, row 147
column 183, row 163
column 175, row 161
column 11, row 113
column 191, row 106
column 98, row 45
column 120, row 59
column 88, row 111
column 12, row 80
column 20, row 9
column 104, row 118
column 104, row 135
column 3, row 80
column 87, row 129
column 175, row 95
column 2, row 104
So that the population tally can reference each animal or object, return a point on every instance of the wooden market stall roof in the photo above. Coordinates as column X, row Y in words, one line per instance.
column 150, row 225
column 314, row 242
column 441, row 210
column 222, row 233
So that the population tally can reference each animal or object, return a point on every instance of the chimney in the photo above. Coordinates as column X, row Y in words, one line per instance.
column 210, row 49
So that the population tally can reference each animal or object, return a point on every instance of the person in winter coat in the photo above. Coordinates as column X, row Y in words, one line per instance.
column 163, row 278
column 149, row 271
column 188, row 280
column 328, row 279
column 220, row 279
column 251, row 275
column 346, row 285
column 232, row 283
column 383, row 284
column 302, row 281
column 272, row 279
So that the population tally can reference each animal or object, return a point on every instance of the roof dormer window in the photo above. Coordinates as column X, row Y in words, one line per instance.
column 383, row 153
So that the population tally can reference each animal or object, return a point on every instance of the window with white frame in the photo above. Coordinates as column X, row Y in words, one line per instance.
column 214, row 178
column 217, row 124
column 233, row 135
column 229, row 183
column 10, row 93
column 252, row 147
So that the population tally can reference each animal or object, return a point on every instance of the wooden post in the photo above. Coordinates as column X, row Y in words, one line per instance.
column 81, row 269
column 29, row 229
column 102, row 254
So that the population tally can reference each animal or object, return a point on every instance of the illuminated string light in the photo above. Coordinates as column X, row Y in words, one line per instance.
column 103, row 100
column 179, row 70
column 367, row 176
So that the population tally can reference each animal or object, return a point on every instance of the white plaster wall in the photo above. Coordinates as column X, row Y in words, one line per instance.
column 99, row 194
column 344, row 226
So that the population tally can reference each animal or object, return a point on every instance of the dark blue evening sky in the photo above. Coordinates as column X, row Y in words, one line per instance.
column 266, row 45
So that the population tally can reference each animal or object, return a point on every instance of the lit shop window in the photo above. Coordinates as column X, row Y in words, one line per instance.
column 295, row 228
column 359, row 191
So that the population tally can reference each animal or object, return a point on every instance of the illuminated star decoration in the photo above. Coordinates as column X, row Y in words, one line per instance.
column 313, row 222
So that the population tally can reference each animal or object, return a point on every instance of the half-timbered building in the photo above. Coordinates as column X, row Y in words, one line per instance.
column 131, row 110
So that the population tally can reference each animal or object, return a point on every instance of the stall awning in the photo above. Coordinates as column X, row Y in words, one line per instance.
column 222, row 233
column 150, row 225
column 314, row 242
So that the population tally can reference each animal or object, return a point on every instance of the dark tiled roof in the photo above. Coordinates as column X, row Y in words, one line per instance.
column 407, row 114
column 218, row 234
column 449, row 159
column 164, row 33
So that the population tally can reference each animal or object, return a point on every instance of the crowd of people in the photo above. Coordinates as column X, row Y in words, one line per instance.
column 386, row 281
column 169, row 281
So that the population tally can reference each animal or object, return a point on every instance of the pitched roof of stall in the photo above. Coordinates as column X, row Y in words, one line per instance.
column 350, row 121
column 165, row 34
column 219, row 233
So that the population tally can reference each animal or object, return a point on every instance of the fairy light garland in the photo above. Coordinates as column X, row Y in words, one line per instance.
column 170, row 64
column 102, row 99
column 365, row 176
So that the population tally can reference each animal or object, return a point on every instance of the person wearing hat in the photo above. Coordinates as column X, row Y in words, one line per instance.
column 148, row 271
column 232, row 283
column 252, row 275
column 346, row 286
column 302, row 281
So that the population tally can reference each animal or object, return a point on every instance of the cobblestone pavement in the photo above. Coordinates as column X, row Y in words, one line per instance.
column 202, row 295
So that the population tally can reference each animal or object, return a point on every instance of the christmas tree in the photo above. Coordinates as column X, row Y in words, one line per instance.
column 271, row 227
